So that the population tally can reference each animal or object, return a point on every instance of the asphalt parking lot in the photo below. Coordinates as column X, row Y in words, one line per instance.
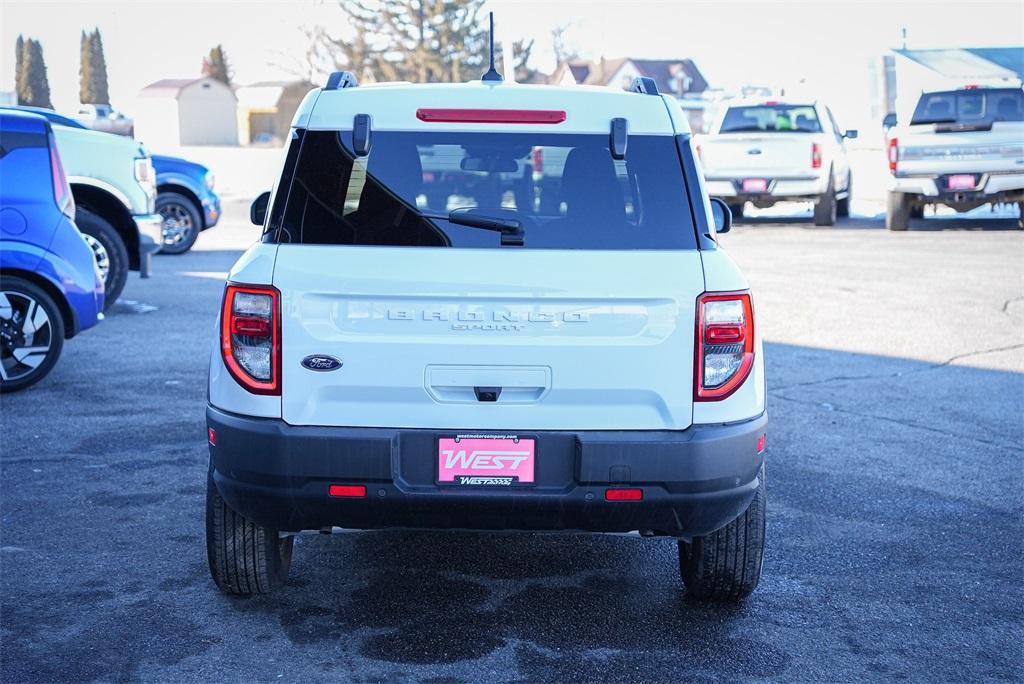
column 896, row 502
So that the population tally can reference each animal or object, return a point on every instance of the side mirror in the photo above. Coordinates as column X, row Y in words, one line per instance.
column 851, row 134
column 258, row 209
column 889, row 121
column 721, row 214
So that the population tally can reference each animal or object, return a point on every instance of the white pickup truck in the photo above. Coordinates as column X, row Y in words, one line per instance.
column 962, row 148
column 767, row 151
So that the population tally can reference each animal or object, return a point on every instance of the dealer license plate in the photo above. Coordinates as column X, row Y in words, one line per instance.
column 755, row 185
column 485, row 460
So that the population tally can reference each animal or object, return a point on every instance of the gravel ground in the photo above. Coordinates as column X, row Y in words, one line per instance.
column 896, row 541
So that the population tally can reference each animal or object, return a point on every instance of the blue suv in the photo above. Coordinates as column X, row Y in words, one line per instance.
column 186, row 201
column 50, row 286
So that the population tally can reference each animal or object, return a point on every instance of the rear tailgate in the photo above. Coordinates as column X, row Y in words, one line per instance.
column 606, row 344
column 772, row 155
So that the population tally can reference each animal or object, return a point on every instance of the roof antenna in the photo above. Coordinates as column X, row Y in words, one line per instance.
column 492, row 73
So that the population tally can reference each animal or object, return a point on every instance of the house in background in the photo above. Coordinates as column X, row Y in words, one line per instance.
column 265, row 110
column 904, row 74
column 678, row 77
column 186, row 111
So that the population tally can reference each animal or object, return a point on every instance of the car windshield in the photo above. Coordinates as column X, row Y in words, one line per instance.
column 978, row 106
column 770, row 118
column 564, row 190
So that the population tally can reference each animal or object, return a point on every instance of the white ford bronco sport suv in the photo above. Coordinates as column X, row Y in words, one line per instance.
column 426, row 344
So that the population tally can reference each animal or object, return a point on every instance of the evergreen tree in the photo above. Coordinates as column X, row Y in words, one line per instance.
column 92, row 73
column 33, row 86
column 19, row 51
column 100, row 88
column 215, row 65
column 85, row 69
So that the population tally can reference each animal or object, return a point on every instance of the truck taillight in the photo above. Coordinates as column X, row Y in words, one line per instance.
column 815, row 156
column 724, row 346
column 894, row 154
column 250, row 337
column 61, row 189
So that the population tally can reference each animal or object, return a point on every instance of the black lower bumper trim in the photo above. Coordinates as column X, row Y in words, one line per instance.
column 694, row 481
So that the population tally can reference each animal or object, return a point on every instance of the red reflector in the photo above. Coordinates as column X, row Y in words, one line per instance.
column 771, row 103
column 724, row 334
column 347, row 490
column 760, row 444
column 251, row 326
column 623, row 494
column 520, row 116
column 212, row 435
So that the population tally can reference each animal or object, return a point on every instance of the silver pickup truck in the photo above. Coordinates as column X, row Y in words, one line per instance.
column 962, row 149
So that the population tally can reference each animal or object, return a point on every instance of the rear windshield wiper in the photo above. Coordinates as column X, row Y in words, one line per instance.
column 511, row 229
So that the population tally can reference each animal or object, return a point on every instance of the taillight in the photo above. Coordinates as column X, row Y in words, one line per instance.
column 61, row 189
column 724, row 346
column 538, row 159
column 250, row 337
column 815, row 156
column 696, row 148
column 894, row 154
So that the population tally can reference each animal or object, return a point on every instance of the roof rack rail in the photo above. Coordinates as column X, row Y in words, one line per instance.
column 644, row 86
column 341, row 79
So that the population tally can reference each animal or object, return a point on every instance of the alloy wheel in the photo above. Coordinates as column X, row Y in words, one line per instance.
column 178, row 225
column 100, row 254
column 26, row 335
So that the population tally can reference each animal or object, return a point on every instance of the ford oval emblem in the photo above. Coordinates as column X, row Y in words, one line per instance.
column 321, row 362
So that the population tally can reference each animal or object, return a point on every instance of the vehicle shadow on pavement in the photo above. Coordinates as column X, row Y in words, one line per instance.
column 895, row 507
column 868, row 495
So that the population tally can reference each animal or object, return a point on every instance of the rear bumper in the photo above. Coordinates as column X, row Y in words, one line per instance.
column 780, row 188
column 694, row 481
column 991, row 187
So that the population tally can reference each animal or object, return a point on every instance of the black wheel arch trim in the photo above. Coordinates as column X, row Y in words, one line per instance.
column 110, row 209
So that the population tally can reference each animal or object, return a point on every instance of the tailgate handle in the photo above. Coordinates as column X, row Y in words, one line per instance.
column 487, row 393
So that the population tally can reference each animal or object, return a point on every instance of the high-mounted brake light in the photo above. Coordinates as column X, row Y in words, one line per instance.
column 724, row 346
column 894, row 154
column 250, row 337
column 514, row 116
column 971, row 86
column 815, row 156
column 61, row 189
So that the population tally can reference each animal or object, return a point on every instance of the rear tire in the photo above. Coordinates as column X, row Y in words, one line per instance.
column 245, row 558
column 737, row 210
column 31, row 334
column 726, row 565
column 897, row 211
column 110, row 251
column 826, row 208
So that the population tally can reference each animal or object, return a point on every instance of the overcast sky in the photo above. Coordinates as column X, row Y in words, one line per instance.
column 826, row 43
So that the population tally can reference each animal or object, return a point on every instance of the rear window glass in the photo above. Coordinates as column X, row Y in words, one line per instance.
column 771, row 118
column 566, row 191
column 970, row 106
